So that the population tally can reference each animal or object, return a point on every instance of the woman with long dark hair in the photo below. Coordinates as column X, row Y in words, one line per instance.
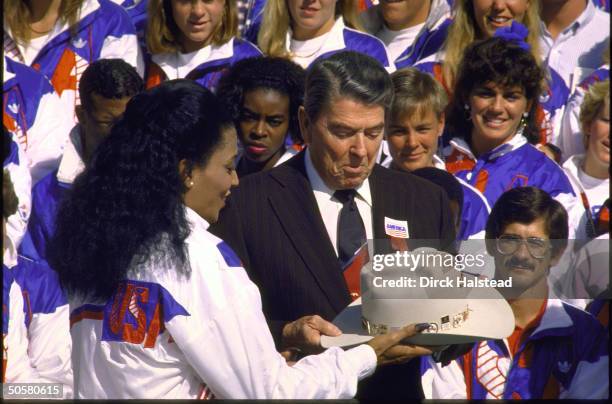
column 160, row 307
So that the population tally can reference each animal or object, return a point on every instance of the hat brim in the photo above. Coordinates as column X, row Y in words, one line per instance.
column 491, row 319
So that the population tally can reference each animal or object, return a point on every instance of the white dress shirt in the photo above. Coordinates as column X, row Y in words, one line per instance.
column 578, row 49
column 330, row 207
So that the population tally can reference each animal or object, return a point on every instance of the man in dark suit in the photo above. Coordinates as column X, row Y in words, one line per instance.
column 296, row 233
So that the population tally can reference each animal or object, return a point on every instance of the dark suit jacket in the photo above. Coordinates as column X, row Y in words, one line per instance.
column 273, row 222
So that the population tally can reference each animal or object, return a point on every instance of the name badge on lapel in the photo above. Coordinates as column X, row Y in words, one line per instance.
column 396, row 228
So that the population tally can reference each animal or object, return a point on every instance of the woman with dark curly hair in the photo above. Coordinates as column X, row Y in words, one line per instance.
column 492, row 117
column 160, row 307
column 263, row 96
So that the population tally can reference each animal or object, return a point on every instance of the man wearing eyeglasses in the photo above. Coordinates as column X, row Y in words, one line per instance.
column 556, row 350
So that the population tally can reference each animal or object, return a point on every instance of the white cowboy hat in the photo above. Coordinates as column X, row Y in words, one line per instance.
column 457, row 315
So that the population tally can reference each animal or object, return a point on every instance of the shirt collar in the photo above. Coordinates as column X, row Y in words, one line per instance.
column 318, row 185
column 572, row 165
column 6, row 75
column 9, row 258
column 334, row 40
column 517, row 141
column 87, row 8
column 583, row 19
column 72, row 163
column 196, row 222
column 555, row 316
column 438, row 162
column 586, row 16
column 169, row 62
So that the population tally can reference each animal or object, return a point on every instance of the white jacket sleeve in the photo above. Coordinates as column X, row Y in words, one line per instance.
column 18, row 368
column 17, row 224
column 442, row 382
column 571, row 139
column 125, row 47
column 50, row 348
column 48, row 136
column 226, row 340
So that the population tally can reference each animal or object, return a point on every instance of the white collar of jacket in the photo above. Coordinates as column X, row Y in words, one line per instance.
column 6, row 75
column 461, row 145
column 333, row 42
column 9, row 257
column 196, row 222
column 318, row 185
column 438, row 162
column 373, row 21
column 554, row 318
column 168, row 62
column 72, row 163
column 572, row 166
column 88, row 7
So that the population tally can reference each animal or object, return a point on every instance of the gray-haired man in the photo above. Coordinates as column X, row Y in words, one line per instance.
column 296, row 234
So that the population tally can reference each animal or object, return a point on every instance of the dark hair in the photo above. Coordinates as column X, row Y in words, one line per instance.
column 501, row 62
column 526, row 205
column 109, row 78
column 445, row 180
column 129, row 200
column 273, row 73
column 346, row 74
column 10, row 202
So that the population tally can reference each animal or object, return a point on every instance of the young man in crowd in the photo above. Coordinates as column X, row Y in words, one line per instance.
column 414, row 127
column 105, row 89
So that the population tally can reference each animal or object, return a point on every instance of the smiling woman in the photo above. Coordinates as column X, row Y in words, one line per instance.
column 493, row 120
column 193, row 39
column 160, row 307
column 479, row 19
column 307, row 30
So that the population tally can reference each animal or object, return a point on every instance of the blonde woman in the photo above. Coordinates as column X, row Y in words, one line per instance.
column 480, row 19
column 305, row 31
column 589, row 172
column 193, row 39
column 412, row 30
column 60, row 38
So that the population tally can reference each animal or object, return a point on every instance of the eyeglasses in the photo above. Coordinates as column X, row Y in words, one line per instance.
column 509, row 244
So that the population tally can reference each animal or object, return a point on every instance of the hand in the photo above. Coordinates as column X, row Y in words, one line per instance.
column 305, row 334
column 390, row 350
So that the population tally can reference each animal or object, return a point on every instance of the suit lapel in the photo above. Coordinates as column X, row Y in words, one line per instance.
column 298, row 214
column 378, row 205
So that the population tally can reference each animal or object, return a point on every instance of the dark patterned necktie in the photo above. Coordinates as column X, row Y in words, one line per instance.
column 351, row 231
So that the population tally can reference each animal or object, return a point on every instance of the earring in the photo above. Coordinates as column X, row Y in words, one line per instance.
column 190, row 184
column 468, row 115
column 523, row 123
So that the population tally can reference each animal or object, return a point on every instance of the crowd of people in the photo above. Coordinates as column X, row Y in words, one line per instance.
column 187, row 185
